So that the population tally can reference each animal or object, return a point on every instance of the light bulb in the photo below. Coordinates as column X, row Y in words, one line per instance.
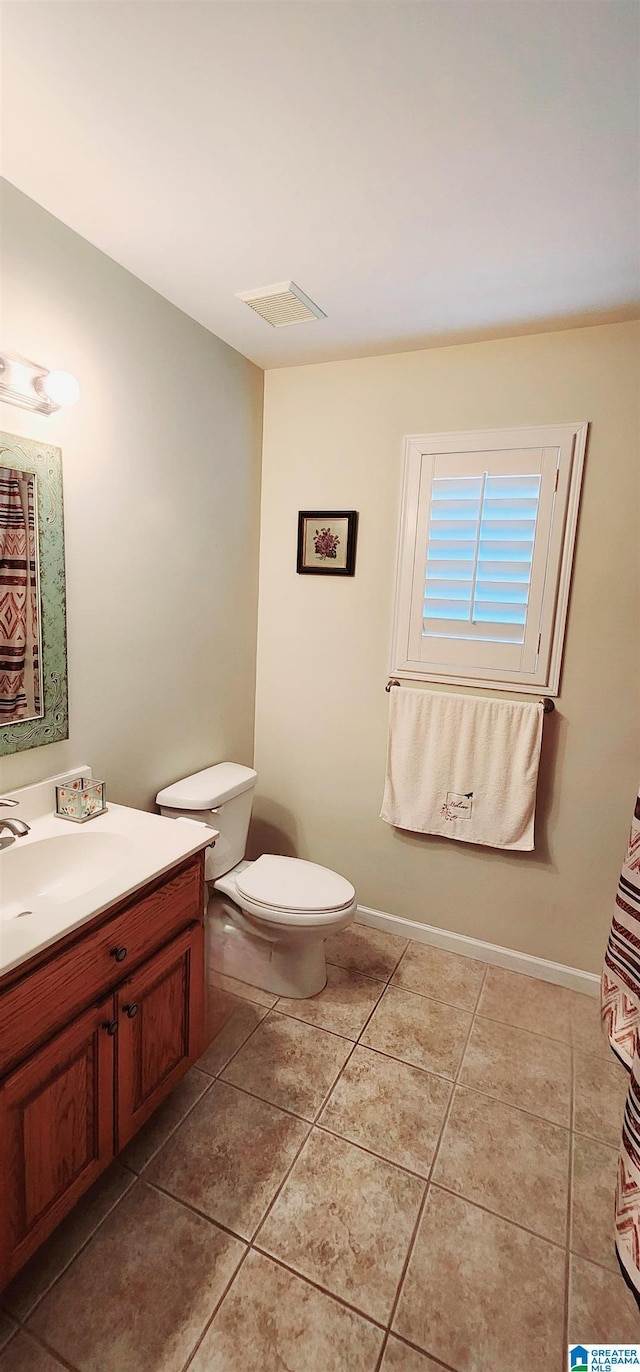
column 61, row 387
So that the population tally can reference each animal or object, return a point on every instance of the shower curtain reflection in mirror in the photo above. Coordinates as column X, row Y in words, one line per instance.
column 20, row 648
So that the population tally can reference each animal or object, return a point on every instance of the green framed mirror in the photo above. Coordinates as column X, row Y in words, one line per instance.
column 33, row 631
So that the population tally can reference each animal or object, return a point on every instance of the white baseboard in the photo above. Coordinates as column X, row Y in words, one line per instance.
column 572, row 977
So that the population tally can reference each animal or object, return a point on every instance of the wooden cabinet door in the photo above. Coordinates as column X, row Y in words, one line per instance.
column 160, row 1028
column 56, row 1132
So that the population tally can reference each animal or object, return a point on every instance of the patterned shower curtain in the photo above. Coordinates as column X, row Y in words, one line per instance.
column 621, row 1015
column 19, row 666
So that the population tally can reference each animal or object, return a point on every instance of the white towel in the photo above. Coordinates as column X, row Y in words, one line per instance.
column 463, row 766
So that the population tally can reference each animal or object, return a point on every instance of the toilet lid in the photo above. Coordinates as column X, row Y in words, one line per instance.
column 291, row 884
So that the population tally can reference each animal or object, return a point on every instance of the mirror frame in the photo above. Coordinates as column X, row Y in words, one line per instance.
column 52, row 725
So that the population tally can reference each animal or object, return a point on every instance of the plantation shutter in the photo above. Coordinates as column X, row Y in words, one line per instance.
column 481, row 553
column 480, row 556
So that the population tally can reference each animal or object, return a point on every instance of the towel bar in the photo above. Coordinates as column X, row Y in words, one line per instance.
column 547, row 702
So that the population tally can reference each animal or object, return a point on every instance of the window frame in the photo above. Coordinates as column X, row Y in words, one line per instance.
column 564, row 442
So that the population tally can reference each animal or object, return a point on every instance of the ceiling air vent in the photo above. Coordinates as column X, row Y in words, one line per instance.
column 282, row 304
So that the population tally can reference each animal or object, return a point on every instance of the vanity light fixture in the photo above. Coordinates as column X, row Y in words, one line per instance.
column 33, row 387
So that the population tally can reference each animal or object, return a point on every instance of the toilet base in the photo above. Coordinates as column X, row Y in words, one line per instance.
column 294, row 968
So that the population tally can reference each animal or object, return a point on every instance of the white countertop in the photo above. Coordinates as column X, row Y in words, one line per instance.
column 152, row 846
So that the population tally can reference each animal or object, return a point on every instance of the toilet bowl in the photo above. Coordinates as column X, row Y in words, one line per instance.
column 266, row 920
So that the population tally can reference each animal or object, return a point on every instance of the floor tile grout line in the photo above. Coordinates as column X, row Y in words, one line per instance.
column 310, row 1281
column 194, row 1210
column 48, row 1348
column 204, row 1332
column 23, row 1321
column 282, row 1183
column 511, row 1105
column 351, row 967
column 391, row 1162
column 423, row 1204
column 286, row 1109
column 424, row 995
column 178, row 1125
column 214, row 1075
column 534, row 1233
column 284, row 1014
column 446, row 1366
column 329, row 1093
column 539, row 1034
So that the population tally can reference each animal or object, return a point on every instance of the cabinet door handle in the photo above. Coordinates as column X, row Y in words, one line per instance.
column 131, row 1009
column 111, row 1026
column 119, row 954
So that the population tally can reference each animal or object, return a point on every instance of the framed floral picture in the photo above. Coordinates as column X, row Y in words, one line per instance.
column 327, row 542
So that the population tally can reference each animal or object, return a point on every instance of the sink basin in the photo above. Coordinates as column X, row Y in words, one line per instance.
column 44, row 874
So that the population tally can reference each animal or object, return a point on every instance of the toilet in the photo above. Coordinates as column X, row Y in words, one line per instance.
column 266, row 920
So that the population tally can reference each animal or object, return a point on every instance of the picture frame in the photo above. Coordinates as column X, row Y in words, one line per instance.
column 327, row 542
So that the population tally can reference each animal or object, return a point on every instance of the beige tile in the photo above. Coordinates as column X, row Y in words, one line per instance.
column 600, row 1094
column 165, row 1119
column 273, row 1321
column 445, row 976
column 219, row 1007
column 527, row 1003
column 7, row 1328
column 363, row 949
column 229, row 1157
column 587, row 1030
column 387, row 1106
column 481, row 1293
column 423, row 1032
column 595, row 1169
column 343, row 1007
column 23, row 1354
column 56, row 1253
column 241, row 988
column 508, row 1161
column 398, row 1357
column 344, row 1219
column 289, row 1063
column 601, row 1308
column 245, row 1018
column 141, row 1292
column 519, row 1068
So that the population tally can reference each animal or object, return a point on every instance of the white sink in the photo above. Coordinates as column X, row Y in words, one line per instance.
column 59, row 875
column 49, row 872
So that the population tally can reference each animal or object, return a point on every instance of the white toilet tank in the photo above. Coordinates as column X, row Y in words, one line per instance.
column 222, row 797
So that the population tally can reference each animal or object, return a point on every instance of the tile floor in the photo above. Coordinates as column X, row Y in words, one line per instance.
column 412, row 1171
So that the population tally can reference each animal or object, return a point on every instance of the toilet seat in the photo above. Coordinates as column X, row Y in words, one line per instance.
column 291, row 891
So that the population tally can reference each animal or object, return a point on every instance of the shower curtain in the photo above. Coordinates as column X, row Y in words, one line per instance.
column 620, row 1004
column 19, row 666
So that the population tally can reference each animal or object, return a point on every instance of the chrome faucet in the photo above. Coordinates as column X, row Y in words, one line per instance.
column 17, row 827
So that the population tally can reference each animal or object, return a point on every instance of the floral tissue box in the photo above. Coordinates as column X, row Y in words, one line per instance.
column 81, row 799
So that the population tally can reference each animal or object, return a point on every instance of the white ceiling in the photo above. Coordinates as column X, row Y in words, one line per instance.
column 425, row 171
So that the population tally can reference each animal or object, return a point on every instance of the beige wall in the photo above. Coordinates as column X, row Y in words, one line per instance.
column 161, row 470
column 333, row 437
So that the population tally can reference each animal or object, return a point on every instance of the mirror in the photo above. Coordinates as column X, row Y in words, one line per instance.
column 33, row 645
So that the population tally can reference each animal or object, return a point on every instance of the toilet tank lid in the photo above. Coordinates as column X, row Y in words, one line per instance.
column 204, row 790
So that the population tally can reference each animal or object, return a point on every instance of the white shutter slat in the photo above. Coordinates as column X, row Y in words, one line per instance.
column 488, row 523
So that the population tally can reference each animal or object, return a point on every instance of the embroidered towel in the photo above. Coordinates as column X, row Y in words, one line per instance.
column 463, row 766
column 620, row 1005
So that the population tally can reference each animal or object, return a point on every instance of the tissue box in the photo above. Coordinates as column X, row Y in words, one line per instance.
column 80, row 799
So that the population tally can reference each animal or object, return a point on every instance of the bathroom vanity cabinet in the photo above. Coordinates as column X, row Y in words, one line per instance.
column 94, row 1033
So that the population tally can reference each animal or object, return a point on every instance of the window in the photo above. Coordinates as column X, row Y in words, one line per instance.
column 487, row 528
